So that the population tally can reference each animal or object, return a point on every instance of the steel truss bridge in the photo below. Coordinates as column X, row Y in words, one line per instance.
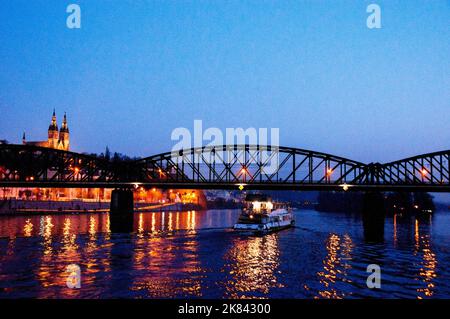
column 222, row 167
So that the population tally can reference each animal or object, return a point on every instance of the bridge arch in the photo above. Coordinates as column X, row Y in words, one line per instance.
column 431, row 168
column 250, row 164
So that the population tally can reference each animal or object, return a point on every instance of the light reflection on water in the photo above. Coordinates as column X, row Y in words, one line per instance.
column 252, row 265
column 427, row 271
column 195, row 254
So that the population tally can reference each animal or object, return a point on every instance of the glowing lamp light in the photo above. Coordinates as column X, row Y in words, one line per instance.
column 256, row 205
column 153, row 189
column 424, row 171
column 76, row 170
column 329, row 171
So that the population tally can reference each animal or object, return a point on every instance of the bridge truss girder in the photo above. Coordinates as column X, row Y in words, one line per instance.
column 225, row 166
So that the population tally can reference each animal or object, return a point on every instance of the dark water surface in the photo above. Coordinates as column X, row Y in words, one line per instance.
column 196, row 255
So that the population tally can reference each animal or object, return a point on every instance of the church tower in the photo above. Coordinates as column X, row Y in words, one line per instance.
column 63, row 142
column 53, row 132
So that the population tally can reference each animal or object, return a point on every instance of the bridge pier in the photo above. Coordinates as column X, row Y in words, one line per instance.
column 121, row 211
column 373, row 217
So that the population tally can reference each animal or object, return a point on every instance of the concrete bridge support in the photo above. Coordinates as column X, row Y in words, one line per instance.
column 121, row 211
column 373, row 217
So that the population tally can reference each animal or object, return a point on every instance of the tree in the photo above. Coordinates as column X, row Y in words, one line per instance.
column 107, row 153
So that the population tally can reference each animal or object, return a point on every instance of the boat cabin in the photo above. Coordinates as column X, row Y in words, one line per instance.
column 262, row 204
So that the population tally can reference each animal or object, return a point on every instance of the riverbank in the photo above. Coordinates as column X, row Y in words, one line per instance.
column 13, row 207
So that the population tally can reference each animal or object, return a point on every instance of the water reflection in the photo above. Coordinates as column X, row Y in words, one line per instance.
column 192, row 254
column 92, row 227
column 252, row 265
column 427, row 267
column 170, row 222
column 28, row 228
column 394, row 224
column 140, row 230
column 159, row 222
column 53, row 225
column 179, row 278
column 69, row 238
column 335, row 266
column 152, row 258
column 46, row 228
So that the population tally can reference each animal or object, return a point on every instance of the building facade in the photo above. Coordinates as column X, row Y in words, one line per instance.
column 55, row 139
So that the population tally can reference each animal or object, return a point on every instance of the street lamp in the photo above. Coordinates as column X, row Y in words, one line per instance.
column 244, row 173
column 424, row 172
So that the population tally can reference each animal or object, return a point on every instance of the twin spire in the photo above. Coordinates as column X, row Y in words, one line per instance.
column 54, row 126
column 56, row 139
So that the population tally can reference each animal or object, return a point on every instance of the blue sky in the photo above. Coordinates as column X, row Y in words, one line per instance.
column 138, row 69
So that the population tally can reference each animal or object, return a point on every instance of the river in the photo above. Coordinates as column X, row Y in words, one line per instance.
column 196, row 255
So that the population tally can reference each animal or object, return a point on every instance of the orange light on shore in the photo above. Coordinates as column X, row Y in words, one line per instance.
column 76, row 170
column 153, row 189
column 424, row 171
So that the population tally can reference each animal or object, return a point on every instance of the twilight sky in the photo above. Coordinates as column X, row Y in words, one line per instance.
column 136, row 70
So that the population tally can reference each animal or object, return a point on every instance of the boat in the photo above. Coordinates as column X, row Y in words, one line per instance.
column 261, row 215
